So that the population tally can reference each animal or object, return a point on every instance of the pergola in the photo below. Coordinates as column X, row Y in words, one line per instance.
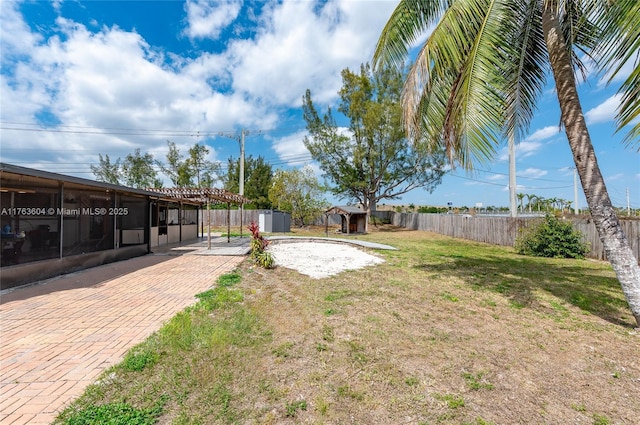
column 206, row 196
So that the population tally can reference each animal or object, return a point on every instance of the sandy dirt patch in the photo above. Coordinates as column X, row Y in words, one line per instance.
column 319, row 259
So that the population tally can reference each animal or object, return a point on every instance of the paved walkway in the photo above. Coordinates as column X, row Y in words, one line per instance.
column 57, row 337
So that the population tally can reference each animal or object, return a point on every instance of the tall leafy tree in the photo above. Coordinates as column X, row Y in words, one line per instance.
column 107, row 171
column 176, row 167
column 478, row 75
column 258, row 176
column 299, row 192
column 205, row 172
column 372, row 159
column 138, row 171
column 194, row 170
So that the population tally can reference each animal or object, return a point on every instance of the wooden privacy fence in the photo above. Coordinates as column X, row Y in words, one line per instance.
column 502, row 230
column 219, row 217
column 489, row 229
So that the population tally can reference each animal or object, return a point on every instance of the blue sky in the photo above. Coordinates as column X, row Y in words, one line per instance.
column 81, row 78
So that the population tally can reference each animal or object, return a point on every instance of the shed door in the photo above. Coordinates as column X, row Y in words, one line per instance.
column 353, row 225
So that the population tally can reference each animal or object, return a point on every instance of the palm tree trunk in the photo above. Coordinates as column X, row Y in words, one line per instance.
column 615, row 243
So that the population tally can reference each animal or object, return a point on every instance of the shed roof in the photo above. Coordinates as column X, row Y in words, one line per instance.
column 344, row 209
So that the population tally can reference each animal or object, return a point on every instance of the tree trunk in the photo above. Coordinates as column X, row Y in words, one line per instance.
column 371, row 208
column 615, row 243
column 367, row 207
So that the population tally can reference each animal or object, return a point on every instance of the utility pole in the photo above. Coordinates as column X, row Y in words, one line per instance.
column 240, row 174
column 576, row 209
column 628, row 204
column 241, row 182
column 240, row 139
column 512, row 176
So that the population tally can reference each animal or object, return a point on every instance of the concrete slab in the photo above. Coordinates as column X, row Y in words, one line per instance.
column 220, row 245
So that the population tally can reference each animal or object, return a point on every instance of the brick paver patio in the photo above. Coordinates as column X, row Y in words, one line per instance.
column 56, row 338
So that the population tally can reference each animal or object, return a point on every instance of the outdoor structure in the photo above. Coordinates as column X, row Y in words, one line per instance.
column 206, row 196
column 353, row 219
column 53, row 224
column 271, row 221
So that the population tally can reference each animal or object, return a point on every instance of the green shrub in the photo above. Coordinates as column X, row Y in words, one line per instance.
column 114, row 414
column 265, row 259
column 551, row 238
column 229, row 279
column 139, row 358
column 258, row 246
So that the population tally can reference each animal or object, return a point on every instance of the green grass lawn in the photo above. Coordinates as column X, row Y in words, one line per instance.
column 443, row 332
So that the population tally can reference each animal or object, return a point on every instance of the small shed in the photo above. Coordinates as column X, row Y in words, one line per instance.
column 270, row 221
column 353, row 219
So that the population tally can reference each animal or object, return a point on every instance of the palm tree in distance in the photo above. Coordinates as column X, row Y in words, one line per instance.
column 533, row 200
column 520, row 197
column 477, row 77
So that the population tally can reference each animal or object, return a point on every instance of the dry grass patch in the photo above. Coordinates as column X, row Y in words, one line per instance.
column 444, row 332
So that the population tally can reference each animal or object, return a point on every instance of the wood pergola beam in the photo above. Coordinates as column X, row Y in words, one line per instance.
column 201, row 195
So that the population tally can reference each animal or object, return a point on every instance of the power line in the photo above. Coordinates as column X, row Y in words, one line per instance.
column 109, row 133
column 476, row 180
column 521, row 176
column 503, row 185
column 114, row 131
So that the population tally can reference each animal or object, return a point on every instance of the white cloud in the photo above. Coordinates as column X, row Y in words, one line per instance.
column 523, row 150
column 293, row 153
column 92, row 79
column 532, row 172
column 301, row 48
column 291, row 149
column 543, row 134
column 604, row 112
column 614, row 177
column 15, row 36
column 112, row 79
column 207, row 18
column 496, row 177
column 532, row 144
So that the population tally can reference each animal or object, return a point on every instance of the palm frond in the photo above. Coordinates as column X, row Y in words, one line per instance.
column 481, row 84
column 526, row 65
column 409, row 20
column 630, row 108
column 620, row 44
column 455, row 84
